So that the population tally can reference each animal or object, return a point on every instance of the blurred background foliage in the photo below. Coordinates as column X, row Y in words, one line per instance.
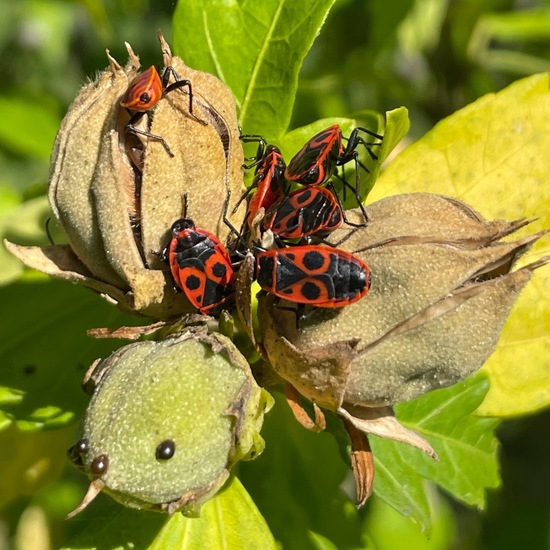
column 432, row 56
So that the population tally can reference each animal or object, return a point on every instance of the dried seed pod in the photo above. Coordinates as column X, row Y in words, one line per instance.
column 441, row 292
column 116, row 193
column 167, row 420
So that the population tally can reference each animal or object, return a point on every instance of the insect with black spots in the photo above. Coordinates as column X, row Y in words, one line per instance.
column 304, row 213
column 269, row 183
column 315, row 275
column 200, row 265
column 318, row 160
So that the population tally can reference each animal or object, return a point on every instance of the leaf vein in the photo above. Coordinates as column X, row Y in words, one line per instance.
column 259, row 60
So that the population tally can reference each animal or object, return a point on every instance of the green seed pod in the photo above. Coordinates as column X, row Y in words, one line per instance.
column 441, row 292
column 117, row 193
column 167, row 420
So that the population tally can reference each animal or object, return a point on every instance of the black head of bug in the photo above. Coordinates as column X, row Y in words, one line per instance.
column 181, row 225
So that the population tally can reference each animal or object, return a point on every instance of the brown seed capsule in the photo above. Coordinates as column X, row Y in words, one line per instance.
column 441, row 291
column 116, row 192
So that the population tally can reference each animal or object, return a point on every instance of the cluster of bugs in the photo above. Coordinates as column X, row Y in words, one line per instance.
column 299, row 266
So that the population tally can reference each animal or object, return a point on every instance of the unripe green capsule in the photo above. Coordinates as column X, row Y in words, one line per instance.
column 167, row 420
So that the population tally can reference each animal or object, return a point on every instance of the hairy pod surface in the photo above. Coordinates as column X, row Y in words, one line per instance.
column 442, row 288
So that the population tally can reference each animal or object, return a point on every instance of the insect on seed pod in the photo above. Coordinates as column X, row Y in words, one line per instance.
column 115, row 192
column 442, row 287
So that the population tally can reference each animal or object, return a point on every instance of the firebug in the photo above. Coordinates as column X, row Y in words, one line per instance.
column 200, row 265
column 269, row 183
column 318, row 160
column 316, row 275
column 303, row 213
column 145, row 91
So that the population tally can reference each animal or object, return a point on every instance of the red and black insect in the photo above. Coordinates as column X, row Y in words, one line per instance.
column 304, row 213
column 269, row 183
column 319, row 159
column 200, row 265
column 316, row 275
column 145, row 91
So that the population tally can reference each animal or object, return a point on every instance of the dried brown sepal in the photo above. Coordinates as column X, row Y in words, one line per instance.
column 318, row 373
column 77, row 147
column 293, row 399
column 243, row 298
column 362, row 463
column 135, row 332
column 381, row 421
column 61, row 262
column 426, row 215
column 95, row 487
column 127, row 333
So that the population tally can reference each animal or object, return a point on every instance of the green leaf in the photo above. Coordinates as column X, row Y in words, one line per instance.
column 256, row 48
column 24, row 224
column 296, row 484
column 493, row 154
column 399, row 485
column 45, row 351
column 466, row 445
column 387, row 529
column 34, row 460
column 27, row 128
column 513, row 29
column 229, row 520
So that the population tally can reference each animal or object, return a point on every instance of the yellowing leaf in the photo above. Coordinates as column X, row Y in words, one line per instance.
column 493, row 154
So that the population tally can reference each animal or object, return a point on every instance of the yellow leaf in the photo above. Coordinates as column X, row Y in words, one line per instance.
column 493, row 154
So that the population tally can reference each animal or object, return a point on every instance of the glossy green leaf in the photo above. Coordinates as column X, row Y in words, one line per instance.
column 256, row 48
column 45, row 351
column 493, row 154
column 27, row 128
column 229, row 520
column 466, row 445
